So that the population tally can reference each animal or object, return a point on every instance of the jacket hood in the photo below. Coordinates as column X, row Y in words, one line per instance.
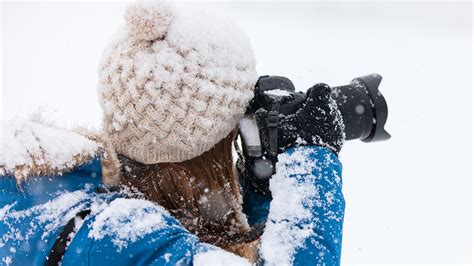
column 29, row 148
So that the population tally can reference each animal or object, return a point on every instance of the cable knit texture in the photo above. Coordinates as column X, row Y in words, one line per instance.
column 174, row 82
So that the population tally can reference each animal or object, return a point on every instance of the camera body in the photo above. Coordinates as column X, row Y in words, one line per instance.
column 363, row 108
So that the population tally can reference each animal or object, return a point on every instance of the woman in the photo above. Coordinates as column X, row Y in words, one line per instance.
column 159, row 186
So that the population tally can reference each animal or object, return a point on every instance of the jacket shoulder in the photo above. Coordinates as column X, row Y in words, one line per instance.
column 29, row 148
column 131, row 231
column 135, row 231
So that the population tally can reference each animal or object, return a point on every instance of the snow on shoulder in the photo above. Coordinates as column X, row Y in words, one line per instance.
column 48, row 217
column 29, row 148
column 127, row 220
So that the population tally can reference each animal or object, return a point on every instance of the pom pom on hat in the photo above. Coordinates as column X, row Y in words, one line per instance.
column 149, row 20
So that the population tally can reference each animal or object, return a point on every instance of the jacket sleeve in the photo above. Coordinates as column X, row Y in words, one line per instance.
column 255, row 204
column 306, row 214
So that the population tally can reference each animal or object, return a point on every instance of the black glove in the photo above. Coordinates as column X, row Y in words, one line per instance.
column 317, row 122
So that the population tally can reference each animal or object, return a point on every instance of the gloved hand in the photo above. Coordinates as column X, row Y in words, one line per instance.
column 318, row 122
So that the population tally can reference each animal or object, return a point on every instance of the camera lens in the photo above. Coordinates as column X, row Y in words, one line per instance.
column 363, row 108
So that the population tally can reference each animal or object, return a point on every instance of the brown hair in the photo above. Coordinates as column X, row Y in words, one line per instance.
column 202, row 193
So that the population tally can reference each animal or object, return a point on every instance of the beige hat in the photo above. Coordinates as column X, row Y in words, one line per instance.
column 174, row 82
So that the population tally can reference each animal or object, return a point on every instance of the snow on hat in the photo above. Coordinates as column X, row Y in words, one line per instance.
column 174, row 82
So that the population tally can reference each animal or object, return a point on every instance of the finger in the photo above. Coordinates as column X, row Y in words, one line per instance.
column 319, row 92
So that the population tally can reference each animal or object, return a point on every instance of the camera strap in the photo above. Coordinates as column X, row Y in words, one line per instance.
column 62, row 242
column 273, row 117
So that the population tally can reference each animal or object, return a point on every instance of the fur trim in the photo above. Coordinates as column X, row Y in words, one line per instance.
column 30, row 148
column 111, row 174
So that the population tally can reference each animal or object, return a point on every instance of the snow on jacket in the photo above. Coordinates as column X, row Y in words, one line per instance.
column 303, row 219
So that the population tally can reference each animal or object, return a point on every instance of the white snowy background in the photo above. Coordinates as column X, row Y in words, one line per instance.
column 408, row 199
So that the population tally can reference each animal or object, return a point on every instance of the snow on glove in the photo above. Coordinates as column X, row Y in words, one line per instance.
column 318, row 122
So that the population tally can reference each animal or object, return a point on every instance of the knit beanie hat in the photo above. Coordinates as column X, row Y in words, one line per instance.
column 174, row 82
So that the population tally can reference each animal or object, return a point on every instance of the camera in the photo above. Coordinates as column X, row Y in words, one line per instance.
column 363, row 108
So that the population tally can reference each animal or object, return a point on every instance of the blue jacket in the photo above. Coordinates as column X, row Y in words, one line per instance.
column 304, row 219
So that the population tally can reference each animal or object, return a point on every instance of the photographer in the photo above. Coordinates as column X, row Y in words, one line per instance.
column 159, row 185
